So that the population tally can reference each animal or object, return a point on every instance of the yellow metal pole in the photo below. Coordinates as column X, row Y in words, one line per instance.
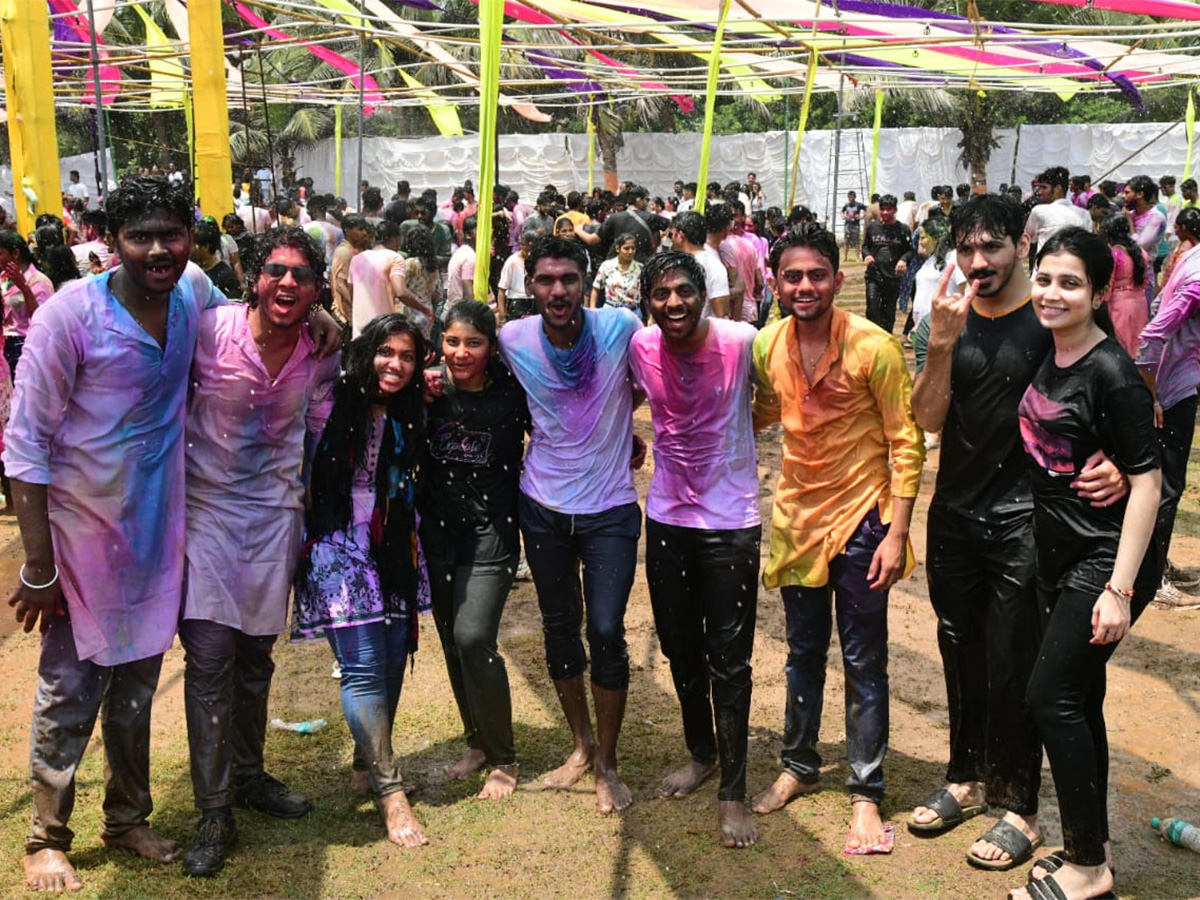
column 210, row 109
column 491, row 29
column 710, row 105
column 29, row 88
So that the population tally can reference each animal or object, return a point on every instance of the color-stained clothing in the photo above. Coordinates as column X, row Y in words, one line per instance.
column 374, row 276
column 705, row 469
column 839, row 435
column 16, row 316
column 581, row 404
column 1126, row 300
column 620, row 288
column 1169, row 347
column 245, row 445
column 98, row 415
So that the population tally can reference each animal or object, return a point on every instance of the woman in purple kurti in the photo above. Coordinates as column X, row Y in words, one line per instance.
column 358, row 578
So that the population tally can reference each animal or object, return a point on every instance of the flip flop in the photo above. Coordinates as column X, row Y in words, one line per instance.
column 1049, row 889
column 1009, row 839
column 1052, row 863
column 949, row 814
column 884, row 846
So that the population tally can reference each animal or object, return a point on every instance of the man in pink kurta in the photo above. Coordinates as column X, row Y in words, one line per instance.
column 257, row 390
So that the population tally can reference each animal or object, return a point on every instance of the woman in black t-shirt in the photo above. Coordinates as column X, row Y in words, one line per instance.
column 468, row 504
column 1097, row 568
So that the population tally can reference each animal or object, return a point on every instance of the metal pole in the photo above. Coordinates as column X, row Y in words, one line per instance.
column 832, row 197
column 787, row 140
column 262, row 84
column 362, row 78
column 103, row 186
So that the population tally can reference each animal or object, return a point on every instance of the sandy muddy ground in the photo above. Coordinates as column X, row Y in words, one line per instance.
column 548, row 844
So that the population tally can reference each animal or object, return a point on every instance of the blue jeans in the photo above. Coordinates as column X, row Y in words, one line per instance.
column 604, row 545
column 862, row 629
column 372, row 658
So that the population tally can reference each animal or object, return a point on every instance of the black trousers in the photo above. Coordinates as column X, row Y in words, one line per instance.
column 881, row 303
column 226, row 683
column 1175, row 444
column 1066, row 699
column 982, row 586
column 704, row 593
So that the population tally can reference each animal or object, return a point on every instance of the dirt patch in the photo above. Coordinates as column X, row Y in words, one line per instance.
column 545, row 844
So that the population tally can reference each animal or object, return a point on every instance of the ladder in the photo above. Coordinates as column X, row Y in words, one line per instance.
column 848, row 161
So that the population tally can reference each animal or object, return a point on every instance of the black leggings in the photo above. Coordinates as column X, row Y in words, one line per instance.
column 881, row 303
column 1066, row 699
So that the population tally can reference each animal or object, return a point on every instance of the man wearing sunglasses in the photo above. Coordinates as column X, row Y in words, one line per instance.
column 257, row 390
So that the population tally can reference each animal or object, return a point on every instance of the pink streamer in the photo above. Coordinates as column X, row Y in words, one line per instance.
column 77, row 23
column 371, row 93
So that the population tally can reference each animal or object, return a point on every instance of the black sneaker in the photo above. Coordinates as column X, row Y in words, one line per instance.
column 215, row 836
column 267, row 795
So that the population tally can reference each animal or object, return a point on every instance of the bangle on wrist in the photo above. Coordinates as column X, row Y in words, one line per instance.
column 1123, row 594
column 37, row 587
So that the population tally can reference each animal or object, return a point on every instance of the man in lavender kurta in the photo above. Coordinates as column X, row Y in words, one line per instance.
column 94, row 450
column 257, row 389
column 578, row 508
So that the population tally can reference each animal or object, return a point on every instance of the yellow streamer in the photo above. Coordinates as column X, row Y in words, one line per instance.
column 710, row 103
column 1190, row 119
column 591, row 135
column 491, row 24
column 337, row 150
column 29, row 92
column 875, row 136
column 166, row 75
column 809, row 78
column 214, row 171
column 444, row 115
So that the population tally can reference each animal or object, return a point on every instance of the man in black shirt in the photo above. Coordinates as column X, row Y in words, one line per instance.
column 885, row 250
column 206, row 249
column 645, row 226
column 984, row 347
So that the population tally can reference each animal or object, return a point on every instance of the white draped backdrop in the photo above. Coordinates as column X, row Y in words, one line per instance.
column 910, row 159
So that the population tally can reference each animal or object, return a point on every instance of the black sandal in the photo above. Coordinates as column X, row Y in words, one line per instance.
column 949, row 814
column 1009, row 839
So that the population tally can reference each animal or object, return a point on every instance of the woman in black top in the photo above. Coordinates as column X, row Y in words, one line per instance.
column 1097, row 567
column 468, row 508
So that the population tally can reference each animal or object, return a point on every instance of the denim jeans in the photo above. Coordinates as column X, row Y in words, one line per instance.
column 704, row 593
column 372, row 658
column 862, row 629
column 882, row 297
column 559, row 547
column 983, row 588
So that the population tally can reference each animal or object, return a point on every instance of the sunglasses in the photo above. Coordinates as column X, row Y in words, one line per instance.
column 301, row 274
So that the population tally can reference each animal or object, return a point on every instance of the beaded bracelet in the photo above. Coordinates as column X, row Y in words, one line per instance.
column 37, row 587
column 1125, row 595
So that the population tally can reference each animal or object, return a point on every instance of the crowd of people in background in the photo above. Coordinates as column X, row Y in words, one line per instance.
column 1056, row 337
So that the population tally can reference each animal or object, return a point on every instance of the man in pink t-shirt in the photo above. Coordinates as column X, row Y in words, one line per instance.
column 702, row 524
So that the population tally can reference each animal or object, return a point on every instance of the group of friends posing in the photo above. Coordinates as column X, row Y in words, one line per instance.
column 180, row 463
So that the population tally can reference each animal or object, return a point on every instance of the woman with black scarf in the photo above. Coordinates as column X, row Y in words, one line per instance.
column 358, row 578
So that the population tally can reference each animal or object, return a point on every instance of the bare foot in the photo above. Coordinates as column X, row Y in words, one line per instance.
column 569, row 772
column 683, row 781
column 1075, row 881
column 737, row 825
column 785, row 789
column 51, row 872
column 968, row 793
column 472, row 761
column 611, row 792
column 982, row 849
column 501, row 782
column 866, row 827
column 402, row 825
column 145, row 842
column 360, row 782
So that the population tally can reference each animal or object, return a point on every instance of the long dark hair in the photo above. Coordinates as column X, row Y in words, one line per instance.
column 345, row 442
column 418, row 244
column 1091, row 250
column 1115, row 229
